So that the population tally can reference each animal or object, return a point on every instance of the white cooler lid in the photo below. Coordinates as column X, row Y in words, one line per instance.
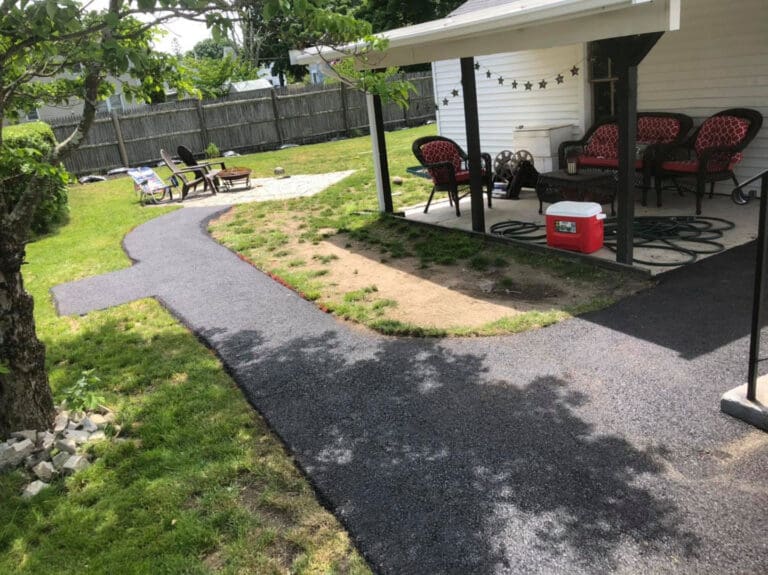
column 574, row 209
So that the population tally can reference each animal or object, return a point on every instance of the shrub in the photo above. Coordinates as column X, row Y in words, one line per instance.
column 212, row 151
column 22, row 143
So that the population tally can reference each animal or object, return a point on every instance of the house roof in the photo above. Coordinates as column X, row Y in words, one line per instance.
column 490, row 27
column 473, row 5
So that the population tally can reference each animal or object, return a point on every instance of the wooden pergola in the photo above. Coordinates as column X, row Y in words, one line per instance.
column 627, row 30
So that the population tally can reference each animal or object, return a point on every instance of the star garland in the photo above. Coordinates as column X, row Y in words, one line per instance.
column 559, row 78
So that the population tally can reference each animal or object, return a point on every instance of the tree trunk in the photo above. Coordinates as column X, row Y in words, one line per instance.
column 25, row 396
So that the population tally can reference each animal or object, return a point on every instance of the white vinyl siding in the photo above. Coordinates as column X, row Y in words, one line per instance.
column 717, row 60
column 500, row 108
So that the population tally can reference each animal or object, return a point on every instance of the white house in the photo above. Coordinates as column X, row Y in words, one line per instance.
column 718, row 59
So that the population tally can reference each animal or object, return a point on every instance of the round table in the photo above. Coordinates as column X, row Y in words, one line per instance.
column 231, row 176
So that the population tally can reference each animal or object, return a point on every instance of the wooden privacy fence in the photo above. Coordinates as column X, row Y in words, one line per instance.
column 244, row 122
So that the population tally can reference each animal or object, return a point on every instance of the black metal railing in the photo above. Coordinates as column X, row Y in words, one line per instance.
column 760, row 283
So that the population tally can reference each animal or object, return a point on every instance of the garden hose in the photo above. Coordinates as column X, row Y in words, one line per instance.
column 513, row 229
column 688, row 236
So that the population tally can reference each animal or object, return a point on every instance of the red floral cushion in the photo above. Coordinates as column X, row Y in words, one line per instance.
column 441, row 151
column 610, row 163
column 604, row 143
column 692, row 166
column 657, row 130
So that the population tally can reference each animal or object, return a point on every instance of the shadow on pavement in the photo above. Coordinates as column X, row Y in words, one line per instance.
column 435, row 468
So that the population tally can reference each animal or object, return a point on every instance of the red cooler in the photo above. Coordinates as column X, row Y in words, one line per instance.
column 575, row 226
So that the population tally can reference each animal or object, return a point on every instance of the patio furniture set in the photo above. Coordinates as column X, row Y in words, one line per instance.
column 152, row 189
column 664, row 151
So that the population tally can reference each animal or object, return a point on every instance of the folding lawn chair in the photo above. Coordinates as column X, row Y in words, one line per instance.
column 149, row 186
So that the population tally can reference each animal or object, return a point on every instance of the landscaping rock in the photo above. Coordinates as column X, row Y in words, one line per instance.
column 98, row 435
column 99, row 420
column 88, row 425
column 44, row 470
column 47, row 440
column 15, row 453
column 61, row 422
column 75, row 463
column 33, row 489
column 79, row 436
column 279, row 171
column 397, row 180
column 60, row 459
column 67, row 445
column 30, row 434
column 73, row 425
column 32, row 460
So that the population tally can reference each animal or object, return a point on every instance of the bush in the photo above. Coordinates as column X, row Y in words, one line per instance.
column 21, row 143
column 212, row 151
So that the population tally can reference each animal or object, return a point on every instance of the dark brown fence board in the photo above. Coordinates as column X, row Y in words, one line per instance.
column 244, row 122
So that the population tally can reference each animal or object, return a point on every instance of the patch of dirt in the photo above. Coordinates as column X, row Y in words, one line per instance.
column 443, row 296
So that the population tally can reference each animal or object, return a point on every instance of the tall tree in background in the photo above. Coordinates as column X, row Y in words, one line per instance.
column 51, row 51
column 388, row 14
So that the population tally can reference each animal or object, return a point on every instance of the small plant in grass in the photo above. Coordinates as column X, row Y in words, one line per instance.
column 83, row 394
column 359, row 295
column 325, row 259
column 480, row 262
column 506, row 282
column 297, row 263
column 212, row 151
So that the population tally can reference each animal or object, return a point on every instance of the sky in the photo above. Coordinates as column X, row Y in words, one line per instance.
column 186, row 32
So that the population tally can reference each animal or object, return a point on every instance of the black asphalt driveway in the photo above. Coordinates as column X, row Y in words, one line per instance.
column 592, row 446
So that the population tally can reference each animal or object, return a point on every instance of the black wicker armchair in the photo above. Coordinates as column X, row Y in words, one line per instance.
column 446, row 163
column 711, row 153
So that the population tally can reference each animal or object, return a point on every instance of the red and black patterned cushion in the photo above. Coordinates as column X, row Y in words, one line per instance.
column 720, row 131
column 606, row 163
column 441, row 151
column 657, row 129
column 692, row 166
column 604, row 142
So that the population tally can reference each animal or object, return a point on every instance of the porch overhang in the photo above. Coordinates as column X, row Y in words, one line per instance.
column 517, row 25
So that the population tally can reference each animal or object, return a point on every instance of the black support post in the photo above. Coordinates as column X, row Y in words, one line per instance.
column 473, row 143
column 378, row 114
column 626, row 53
column 626, row 90
column 759, row 293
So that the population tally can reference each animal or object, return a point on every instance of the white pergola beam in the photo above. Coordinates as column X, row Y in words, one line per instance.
column 513, row 27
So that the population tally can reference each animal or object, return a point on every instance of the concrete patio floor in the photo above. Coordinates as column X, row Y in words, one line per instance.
column 526, row 209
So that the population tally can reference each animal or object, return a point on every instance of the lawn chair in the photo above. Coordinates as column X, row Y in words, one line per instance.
column 446, row 163
column 189, row 159
column 189, row 178
column 148, row 185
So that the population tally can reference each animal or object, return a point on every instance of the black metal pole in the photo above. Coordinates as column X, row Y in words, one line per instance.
column 758, row 295
column 627, row 122
column 378, row 115
column 473, row 143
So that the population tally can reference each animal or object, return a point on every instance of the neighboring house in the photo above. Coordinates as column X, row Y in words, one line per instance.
column 717, row 60
column 249, row 85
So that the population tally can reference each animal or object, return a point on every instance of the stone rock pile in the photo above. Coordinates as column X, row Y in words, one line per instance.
column 45, row 455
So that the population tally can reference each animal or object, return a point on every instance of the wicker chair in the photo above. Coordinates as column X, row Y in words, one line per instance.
column 446, row 163
column 599, row 148
column 717, row 146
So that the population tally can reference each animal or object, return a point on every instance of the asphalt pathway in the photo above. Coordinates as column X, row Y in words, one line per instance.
column 592, row 446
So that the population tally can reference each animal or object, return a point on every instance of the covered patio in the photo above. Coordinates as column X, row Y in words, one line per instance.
column 724, row 225
column 626, row 29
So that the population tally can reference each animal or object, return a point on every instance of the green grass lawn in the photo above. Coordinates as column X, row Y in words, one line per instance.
column 199, row 485
column 268, row 234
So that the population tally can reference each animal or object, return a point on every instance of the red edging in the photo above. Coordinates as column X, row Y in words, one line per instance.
column 282, row 282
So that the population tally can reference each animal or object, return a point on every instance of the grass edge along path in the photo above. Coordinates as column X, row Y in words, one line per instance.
column 197, row 482
column 265, row 234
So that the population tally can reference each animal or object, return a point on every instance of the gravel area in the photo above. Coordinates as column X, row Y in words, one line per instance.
column 592, row 446
column 265, row 189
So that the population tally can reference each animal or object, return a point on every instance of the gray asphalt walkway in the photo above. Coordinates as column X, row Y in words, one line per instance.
column 592, row 446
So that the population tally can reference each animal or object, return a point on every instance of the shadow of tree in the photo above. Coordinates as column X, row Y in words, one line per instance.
column 436, row 468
